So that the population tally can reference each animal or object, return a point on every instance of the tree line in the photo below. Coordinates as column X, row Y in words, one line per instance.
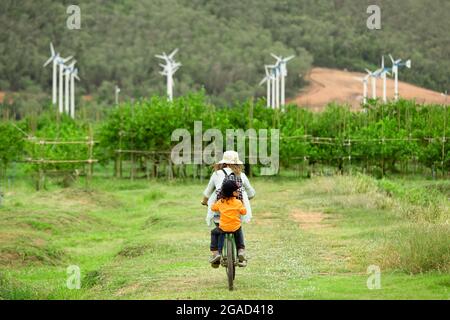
column 386, row 138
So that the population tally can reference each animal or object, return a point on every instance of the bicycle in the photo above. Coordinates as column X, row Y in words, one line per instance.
column 229, row 258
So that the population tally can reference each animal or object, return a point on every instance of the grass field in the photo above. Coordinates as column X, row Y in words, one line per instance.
column 309, row 239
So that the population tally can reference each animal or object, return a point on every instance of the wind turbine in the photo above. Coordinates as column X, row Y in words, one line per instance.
column 73, row 76
column 373, row 75
column 169, row 70
column 365, row 81
column 379, row 73
column 445, row 94
column 395, row 66
column 62, row 67
column 53, row 58
column 67, row 75
column 277, row 75
column 268, row 80
column 272, row 79
column 383, row 73
column 282, row 63
column 117, row 91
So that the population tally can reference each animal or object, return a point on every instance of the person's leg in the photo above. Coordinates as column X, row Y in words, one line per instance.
column 215, row 259
column 221, row 241
column 239, row 238
column 215, row 233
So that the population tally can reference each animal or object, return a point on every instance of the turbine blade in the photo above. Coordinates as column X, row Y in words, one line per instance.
column 48, row 61
column 263, row 81
column 289, row 58
column 174, row 52
column 392, row 58
column 52, row 49
column 64, row 60
column 275, row 56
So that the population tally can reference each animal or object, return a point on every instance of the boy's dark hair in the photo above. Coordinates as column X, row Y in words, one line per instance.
column 228, row 188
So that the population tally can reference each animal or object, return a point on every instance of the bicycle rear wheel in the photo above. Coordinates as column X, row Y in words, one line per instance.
column 230, row 263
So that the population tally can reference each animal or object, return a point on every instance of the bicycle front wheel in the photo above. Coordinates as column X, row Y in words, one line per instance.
column 230, row 264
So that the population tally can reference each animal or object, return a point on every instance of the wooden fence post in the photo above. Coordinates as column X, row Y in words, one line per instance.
column 147, row 166
column 90, row 155
column 250, row 126
column 120, row 155
column 132, row 167
column 116, row 164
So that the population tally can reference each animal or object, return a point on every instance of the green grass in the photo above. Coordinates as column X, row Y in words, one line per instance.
column 309, row 239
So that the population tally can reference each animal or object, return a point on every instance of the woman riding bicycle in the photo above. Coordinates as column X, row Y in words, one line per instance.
column 229, row 168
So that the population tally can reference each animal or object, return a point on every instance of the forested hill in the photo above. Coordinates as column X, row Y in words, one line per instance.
column 223, row 44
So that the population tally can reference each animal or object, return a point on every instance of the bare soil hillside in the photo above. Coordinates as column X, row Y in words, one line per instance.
column 329, row 85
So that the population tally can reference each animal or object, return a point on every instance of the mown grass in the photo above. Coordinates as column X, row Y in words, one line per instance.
column 148, row 240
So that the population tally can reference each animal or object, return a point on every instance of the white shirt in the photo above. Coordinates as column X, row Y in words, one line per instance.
column 215, row 183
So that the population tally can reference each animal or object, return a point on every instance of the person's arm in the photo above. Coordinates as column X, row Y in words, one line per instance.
column 242, row 209
column 248, row 187
column 215, row 206
column 209, row 190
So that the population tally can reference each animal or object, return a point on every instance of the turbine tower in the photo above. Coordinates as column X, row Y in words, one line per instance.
column 396, row 64
column 365, row 81
column 73, row 76
column 54, row 57
column 373, row 75
column 445, row 94
column 383, row 73
column 277, row 75
column 169, row 70
column 272, row 80
column 67, row 75
column 117, row 91
column 268, row 80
